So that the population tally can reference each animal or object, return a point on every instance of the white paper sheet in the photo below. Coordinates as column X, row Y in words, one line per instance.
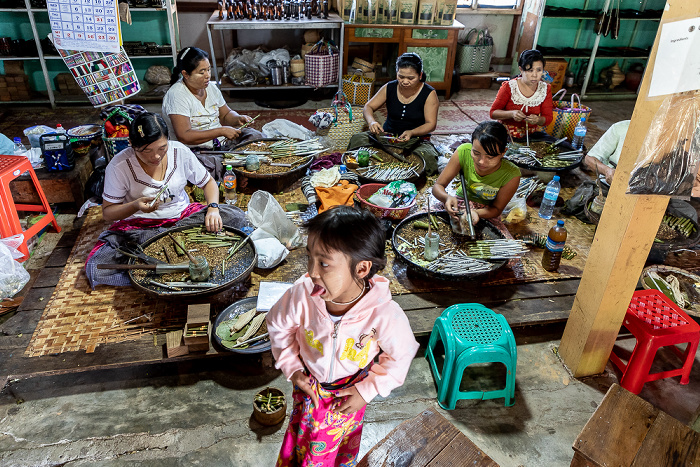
column 270, row 292
column 677, row 66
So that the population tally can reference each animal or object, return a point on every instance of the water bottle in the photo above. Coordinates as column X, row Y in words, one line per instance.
column 579, row 134
column 20, row 149
column 554, row 247
column 342, row 169
column 230, row 196
column 551, row 193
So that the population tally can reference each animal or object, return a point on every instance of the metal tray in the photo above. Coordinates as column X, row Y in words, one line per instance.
column 235, row 271
column 413, row 179
column 231, row 312
column 484, row 229
column 563, row 147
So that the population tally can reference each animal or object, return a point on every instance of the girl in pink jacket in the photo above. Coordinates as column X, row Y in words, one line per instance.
column 326, row 332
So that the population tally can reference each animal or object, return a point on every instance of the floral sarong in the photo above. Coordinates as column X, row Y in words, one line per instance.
column 320, row 436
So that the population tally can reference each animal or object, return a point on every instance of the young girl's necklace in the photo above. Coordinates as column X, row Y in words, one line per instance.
column 362, row 292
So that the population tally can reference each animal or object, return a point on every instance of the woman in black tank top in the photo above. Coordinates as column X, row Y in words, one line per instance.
column 412, row 108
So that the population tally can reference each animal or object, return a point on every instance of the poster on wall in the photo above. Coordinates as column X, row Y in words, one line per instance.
column 85, row 24
column 104, row 77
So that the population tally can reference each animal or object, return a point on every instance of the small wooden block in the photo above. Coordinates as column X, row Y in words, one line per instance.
column 198, row 314
column 203, row 347
column 174, row 344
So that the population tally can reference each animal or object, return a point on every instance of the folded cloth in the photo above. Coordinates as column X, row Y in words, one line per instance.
column 325, row 178
column 340, row 194
column 326, row 162
column 310, row 192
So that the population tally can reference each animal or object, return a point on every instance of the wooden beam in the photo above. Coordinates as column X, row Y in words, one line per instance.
column 622, row 242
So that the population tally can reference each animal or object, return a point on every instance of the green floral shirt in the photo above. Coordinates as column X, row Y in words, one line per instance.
column 483, row 189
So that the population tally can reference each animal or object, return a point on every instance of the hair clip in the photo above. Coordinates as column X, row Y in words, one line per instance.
column 140, row 130
column 182, row 57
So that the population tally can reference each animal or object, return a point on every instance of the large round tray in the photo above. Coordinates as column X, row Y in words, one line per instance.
column 231, row 312
column 484, row 230
column 236, row 271
column 682, row 274
column 563, row 147
column 289, row 174
column 387, row 157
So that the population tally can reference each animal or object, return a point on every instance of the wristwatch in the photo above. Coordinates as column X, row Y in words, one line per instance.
column 213, row 205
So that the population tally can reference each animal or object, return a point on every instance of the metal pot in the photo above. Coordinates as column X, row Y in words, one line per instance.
column 276, row 73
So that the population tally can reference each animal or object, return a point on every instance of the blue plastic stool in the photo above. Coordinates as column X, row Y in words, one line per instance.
column 471, row 333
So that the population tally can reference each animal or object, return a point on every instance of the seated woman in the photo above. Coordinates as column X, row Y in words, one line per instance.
column 144, row 191
column 605, row 154
column 412, row 108
column 491, row 180
column 197, row 113
column 524, row 103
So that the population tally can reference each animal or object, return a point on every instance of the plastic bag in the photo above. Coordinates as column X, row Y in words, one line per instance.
column 286, row 129
column 270, row 251
column 266, row 213
column 668, row 161
column 515, row 211
column 400, row 191
column 34, row 132
column 13, row 277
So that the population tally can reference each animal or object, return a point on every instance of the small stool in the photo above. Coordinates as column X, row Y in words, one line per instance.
column 12, row 167
column 655, row 321
column 471, row 333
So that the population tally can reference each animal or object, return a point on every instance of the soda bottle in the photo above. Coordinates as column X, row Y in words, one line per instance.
column 60, row 130
column 551, row 193
column 579, row 134
column 20, row 149
column 230, row 196
column 554, row 247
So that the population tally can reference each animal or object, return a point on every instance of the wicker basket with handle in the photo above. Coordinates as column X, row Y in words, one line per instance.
column 348, row 121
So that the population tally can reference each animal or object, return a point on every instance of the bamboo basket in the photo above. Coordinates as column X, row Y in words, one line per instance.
column 363, row 65
column 296, row 67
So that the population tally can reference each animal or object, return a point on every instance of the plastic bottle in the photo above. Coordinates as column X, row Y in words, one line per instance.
column 554, row 247
column 342, row 168
column 230, row 196
column 20, row 149
column 60, row 129
column 551, row 193
column 579, row 134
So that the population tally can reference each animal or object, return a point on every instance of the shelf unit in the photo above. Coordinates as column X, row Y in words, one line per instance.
column 554, row 30
column 147, row 27
column 333, row 23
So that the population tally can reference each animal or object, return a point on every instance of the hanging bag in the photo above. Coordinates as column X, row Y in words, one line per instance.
column 475, row 58
column 114, row 146
column 358, row 87
column 566, row 115
column 321, row 64
column 347, row 121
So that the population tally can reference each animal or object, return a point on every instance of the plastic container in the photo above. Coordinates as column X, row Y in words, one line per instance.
column 554, row 247
column 252, row 162
column 342, row 168
column 579, row 134
column 551, row 193
column 20, row 149
column 60, row 129
column 230, row 195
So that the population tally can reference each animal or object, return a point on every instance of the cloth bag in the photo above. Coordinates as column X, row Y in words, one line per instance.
column 347, row 121
column 566, row 115
column 358, row 87
column 321, row 64
column 475, row 58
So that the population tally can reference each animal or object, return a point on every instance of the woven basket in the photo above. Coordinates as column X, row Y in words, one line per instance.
column 344, row 127
column 694, row 308
column 296, row 67
column 363, row 65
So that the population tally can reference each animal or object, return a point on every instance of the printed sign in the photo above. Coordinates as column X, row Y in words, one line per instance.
column 91, row 25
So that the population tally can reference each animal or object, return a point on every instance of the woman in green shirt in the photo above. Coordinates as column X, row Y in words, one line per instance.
column 491, row 180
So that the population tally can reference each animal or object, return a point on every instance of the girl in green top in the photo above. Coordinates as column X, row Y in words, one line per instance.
column 491, row 180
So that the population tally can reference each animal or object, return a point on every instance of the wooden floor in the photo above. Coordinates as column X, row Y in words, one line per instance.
column 523, row 305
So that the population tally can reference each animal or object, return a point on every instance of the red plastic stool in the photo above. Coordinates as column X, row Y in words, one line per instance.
column 656, row 322
column 12, row 167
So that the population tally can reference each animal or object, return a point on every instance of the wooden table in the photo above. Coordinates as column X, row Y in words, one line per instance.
column 412, row 38
column 625, row 430
column 427, row 439
column 59, row 187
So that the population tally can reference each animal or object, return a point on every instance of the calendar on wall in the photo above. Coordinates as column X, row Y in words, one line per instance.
column 89, row 25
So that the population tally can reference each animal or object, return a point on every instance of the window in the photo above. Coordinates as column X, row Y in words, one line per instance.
column 499, row 4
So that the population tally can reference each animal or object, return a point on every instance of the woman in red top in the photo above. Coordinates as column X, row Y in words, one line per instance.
column 524, row 103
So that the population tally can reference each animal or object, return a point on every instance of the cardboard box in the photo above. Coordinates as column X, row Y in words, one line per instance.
column 557, row 70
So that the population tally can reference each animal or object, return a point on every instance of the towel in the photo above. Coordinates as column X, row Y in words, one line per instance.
column 336, row 195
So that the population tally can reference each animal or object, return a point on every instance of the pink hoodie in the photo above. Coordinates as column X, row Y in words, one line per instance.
column 300, row 329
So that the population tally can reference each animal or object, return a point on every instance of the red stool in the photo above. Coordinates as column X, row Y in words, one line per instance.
column 656, row 322
column 12, row 167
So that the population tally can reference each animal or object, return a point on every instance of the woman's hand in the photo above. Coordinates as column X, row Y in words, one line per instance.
column 406, row 135
column 533, row 119
column 609, row 173
column 518, row 115
column 376, row 128
column 229, row 132
column 452, row 206
column 475, row 216
column 243, row 119
column 349, row 401
column 301, row 380
column 213, row 220
column 143, row 204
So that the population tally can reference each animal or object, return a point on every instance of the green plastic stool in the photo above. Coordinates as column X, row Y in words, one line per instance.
column 471, row 333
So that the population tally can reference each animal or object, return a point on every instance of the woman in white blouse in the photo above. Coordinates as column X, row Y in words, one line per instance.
column 148, row 179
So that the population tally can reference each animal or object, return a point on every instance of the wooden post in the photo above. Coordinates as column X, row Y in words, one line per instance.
column 622, row 242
